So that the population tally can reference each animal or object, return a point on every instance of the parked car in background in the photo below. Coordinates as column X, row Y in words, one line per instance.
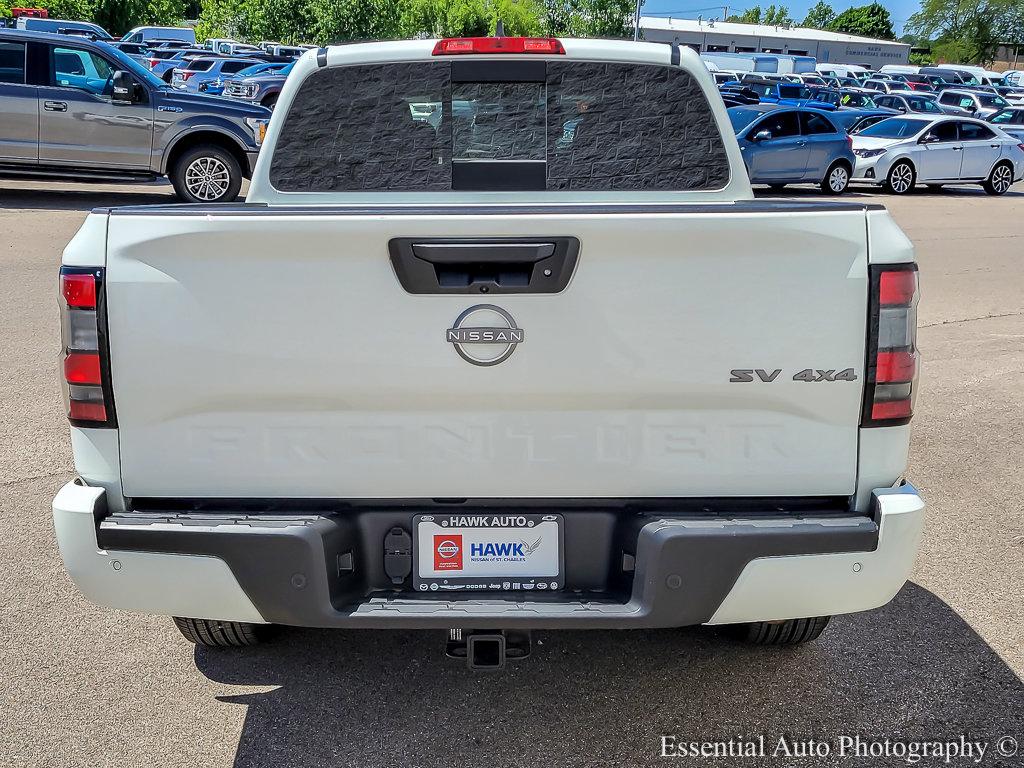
column 207, row 74
column 62, row 26
column 950, row 75
column 834, row 81
column 169, row 45
column 789, row 94
column 781, row 146
column 925, row 104
column 138, row 51
column 148, row 34
column 854, row 120
column 972, row 103
column 857, row 98
column 162, row 63
column 238, row 49
column 287, row 51
column 921, row 149
column 919, row 82
column 96, row 114
column 733, row 95
column 259, row 88
column 885, row 86
column 1010, row 120
column 1013, row 94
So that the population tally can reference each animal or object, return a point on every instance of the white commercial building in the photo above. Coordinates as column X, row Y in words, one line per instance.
column 728, row 37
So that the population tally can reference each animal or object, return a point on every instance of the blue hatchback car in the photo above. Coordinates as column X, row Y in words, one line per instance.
column 793, row 145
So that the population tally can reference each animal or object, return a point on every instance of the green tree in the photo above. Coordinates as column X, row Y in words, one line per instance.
column 118, row 16
column 749, row 16
column 966, row 30
column 72, row 10
column 289, row 21
column 340, row 20
column 865, row 20
column 590, row 18
column 820, row 16
column 221, row 18
column 445, row 18
column 777, row 16
column 773, row 15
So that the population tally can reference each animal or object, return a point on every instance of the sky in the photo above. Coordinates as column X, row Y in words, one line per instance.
column 901, row 10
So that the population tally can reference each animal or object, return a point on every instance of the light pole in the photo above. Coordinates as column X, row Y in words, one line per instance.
column 636, row 20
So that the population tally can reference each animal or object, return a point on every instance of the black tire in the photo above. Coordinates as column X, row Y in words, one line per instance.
column 901, row 178
column 837, row 178
column 220, row 634
column 225, row 175
column 270, row 102
column 791, row 632
column 1000, row 180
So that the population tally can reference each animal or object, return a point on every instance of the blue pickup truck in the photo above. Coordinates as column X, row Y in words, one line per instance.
column 786, row 94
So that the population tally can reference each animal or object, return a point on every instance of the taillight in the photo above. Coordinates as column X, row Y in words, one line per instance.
column 86, row 381
column 186, row 74
column 455, row 46
column 152, row 62
column 892, row 346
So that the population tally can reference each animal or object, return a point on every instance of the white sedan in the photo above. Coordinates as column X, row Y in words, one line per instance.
column 900, row 152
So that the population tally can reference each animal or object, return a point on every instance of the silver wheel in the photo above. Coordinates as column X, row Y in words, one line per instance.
column 901, row 178
column 1002, row 179
column 207, row 178
column 838, row 179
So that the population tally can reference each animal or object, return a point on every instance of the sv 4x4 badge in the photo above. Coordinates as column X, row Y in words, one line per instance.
column 485, row 335
column 747, row 375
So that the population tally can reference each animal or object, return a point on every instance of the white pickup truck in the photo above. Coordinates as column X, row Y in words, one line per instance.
column 500, row 340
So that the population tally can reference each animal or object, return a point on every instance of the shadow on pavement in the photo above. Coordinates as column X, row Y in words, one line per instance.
column 913, row 669
column 56, row 199
column 868, row 191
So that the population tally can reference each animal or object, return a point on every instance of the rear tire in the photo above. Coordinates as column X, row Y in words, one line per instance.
column 206, row 174
column 837, row 178
column 220, row 634
column 901, row 178
column 1000, row 180
column 791, row 632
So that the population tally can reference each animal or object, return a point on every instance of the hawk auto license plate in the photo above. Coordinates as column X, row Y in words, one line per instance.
column 493, row 552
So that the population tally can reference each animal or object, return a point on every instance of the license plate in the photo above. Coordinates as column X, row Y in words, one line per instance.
column 494, row 552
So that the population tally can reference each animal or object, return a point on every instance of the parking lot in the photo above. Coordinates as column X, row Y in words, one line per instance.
column 90, row 686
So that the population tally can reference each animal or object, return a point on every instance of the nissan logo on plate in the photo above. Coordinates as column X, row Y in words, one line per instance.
column 485, row 335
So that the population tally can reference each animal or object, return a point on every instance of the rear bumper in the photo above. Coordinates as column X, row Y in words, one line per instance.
column 314, row 570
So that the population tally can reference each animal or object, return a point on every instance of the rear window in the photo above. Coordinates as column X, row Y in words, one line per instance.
column 199, row 65
column 12, row 62
column 537, row 125
column 894, row 128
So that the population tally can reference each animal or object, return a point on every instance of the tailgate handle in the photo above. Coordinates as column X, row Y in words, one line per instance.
column 492, row 265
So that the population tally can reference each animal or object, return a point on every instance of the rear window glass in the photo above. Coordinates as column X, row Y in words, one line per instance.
column 894, row 128
column 12, row 62
column 415, row 127
column 199, row 65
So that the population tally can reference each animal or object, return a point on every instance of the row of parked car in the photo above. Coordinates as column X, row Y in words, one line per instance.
column 898, row 131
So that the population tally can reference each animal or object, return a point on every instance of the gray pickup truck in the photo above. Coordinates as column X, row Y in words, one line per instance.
column 264, row 88
column 81, row 109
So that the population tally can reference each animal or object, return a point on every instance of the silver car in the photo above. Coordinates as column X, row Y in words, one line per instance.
column 980, row 104
column 910, row 149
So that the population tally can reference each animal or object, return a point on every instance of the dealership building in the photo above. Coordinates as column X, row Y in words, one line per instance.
column 727, row 37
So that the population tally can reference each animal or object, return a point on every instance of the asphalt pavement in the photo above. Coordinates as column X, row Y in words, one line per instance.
column 87, row 686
